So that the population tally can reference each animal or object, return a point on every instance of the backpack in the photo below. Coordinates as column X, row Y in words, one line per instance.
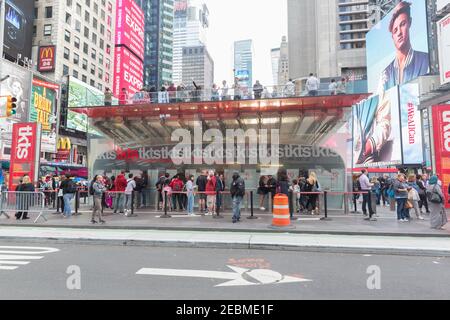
column 71, row 187
column 91, row 189
column 433, row 196
column 177, row 186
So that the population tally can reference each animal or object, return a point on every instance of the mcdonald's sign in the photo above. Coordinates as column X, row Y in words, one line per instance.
column 46, row 58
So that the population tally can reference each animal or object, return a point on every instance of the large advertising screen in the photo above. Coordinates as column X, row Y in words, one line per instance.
column 43, row 110
column 444, row 48
column 397, row 47
column 18, row 85
column 130, row 26
column 376, row 132
column 18, row 28
column 441, row 128
column 81, row 95
column 128, row 72
column 411, row 124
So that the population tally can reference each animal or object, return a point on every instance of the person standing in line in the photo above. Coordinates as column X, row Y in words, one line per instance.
column 201, row 187
column 262, row 191
column 312, row 85
column 69, row 190
column 25, row 200
column 422, row 194
column 108, row 97
column 283, row 186
column 295, row 188
column 332, row 87
column 98, row 191
column 220, row 187
column 366, row 187
column 272, row 186
column 190, row 195
column 120, row 186
column 177, row 187
column 211, row 193
column 413, row 195
column 237, row 191
column 167, row 190
column 438, row 216
column 401, row 196
column 60, row 198
column 129, row 190
column 376, row 189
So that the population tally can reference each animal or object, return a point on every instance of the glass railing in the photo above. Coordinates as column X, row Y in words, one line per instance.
column 211, row 95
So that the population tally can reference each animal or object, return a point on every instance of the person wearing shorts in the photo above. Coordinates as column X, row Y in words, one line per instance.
column 201, row 187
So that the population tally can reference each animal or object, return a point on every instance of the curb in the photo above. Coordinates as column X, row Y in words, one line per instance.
column 268, row 230
column 238, row 245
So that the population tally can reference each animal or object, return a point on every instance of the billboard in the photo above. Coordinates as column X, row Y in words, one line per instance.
column 376, row 132
column 130, row 26
column 81, row 95
column 43, row 110
column 398, row 42
column 25, row 153
column 18, row 84
column 18, row 28
column 441, row 129
column 180, row 9
column 443, row 31
column 46, row 59
column 411, row 124
column 128, row 72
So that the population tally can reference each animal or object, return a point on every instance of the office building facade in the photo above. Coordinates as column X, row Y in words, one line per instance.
column 243, row 62
column 198, row 65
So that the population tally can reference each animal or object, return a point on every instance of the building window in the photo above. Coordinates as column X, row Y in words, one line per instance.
column 78, row 25
column 95, row 8
column 102, row 30
column 85, row 64
column 34, row 31
column 100, row 73
column 87, row 16
column 102, row 44
column 78, row 9
column 47, row 30
column 68, row 18
column 84, row 78
column 94, row 54
column 86, row 32
column 67, row 36
column 100, row 87
column 107, row 77
column 102, row 14
column 65, row 70
column 76, row 42
column 36, row 13
column 94, row 23
column 66, row 53
column 85, row 48
column 93, row 69
column 108, row 64
column 100, row 58
column 48, row 12
column 108, row 49
column 76, row 58
column 75, row 74
column 69, row 3
column 88, row 3
column 92, row 83
column 94, row 38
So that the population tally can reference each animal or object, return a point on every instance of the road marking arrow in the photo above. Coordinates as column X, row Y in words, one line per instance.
column 240, row 276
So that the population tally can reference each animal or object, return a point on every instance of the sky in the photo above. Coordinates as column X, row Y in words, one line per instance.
column 263, row 21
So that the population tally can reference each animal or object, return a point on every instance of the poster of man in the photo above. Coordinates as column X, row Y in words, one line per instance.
column 404, row 55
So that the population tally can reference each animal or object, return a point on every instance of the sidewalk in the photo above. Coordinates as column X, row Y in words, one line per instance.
column 340, row 224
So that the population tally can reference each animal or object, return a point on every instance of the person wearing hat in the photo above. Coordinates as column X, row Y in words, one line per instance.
column 436, row 200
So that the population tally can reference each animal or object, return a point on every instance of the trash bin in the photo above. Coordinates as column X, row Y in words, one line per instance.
column 373, row 201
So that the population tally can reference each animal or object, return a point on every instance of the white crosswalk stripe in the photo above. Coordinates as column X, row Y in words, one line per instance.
column 12, row 258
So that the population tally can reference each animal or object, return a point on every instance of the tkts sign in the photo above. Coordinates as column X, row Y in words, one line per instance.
column 25, row 152
column 46, row 59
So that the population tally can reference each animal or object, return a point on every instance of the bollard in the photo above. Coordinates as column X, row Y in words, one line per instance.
column 252, row 217
column 291, row 208
column 325, row 206
column 270, row 202
column 77, row 200
column 217, row 216
column 165, row 207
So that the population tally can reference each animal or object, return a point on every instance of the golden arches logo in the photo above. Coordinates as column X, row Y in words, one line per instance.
column 64, row 144
column 47, row 52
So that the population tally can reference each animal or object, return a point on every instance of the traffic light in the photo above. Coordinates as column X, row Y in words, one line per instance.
column 11, row 106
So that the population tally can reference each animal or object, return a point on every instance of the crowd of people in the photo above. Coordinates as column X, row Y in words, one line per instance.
column 409, row 194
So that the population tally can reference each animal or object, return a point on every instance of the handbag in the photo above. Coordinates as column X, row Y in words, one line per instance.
column 409, row 205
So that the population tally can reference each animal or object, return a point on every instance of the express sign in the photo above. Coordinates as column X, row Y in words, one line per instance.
column 25, row 152
column 128, row 71
column 130, row 26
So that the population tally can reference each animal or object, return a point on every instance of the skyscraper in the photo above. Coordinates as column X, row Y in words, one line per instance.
column 158, row 54
column 283, row 64
column 191, row 21
column 198, row 65
column 275, row 57
column 327, row 37
column 243, row 62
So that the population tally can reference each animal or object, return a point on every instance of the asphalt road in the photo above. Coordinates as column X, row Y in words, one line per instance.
column 109, row 272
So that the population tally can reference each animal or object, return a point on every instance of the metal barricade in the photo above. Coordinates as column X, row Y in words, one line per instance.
column 24, row 202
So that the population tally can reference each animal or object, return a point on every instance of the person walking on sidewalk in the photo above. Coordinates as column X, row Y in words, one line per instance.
column 211, row 193
column 120, row 186
column 401, row 196
column 129, row 190
column 366, row 187
column 190, row 195
column 237, row 191
column 98, row 189
column 438, row 216
column 413, row 195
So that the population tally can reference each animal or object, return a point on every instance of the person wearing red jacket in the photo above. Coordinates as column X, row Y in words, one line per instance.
column 177, row 187
column 211, row 193
column 120, row 185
